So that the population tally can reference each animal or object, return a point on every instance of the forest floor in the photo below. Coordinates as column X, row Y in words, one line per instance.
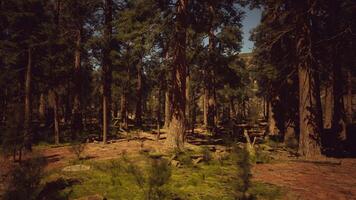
column 284, row 176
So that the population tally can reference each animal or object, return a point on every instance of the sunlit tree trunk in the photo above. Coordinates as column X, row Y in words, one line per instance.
column 28, row 103
column 107, row 69
column 167, row 109
column 328, row 106
column 272, row 128
column 177, row 127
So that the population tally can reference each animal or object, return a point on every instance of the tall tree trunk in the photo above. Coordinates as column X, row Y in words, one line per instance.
column 309, row 88
column 77, row 122
column 138, row 113
column 107, row 70
column 167, row 109
column 329, row 106
column 210, row 79
column 177, row 127
column 28, row 103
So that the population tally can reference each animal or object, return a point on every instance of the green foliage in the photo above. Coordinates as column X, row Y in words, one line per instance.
column 25, row 179
column 243, row 182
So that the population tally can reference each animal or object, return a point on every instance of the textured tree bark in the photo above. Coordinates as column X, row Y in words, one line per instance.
column 107, row 70
column 167, row 109
column 138, row 113
column 177, row 127
column 329, row 106
column 77, row 122
column 310, row 127
column 309, row 87
column 272, row 128
column 28, row 103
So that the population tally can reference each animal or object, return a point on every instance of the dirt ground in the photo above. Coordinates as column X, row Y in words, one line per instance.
column 311, row 181
column 304, row 181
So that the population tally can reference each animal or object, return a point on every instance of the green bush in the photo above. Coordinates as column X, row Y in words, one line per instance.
column 243, row 162
column 25, row 179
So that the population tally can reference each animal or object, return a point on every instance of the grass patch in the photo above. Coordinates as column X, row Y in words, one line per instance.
column 146, row 177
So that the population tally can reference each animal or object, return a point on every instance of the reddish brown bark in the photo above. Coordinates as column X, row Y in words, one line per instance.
column 177, row 128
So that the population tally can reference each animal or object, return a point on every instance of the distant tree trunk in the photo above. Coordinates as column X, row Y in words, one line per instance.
column 188, row 100
column 53, row 97
column 124, row 111
column 194, row 111
column 272, row 128
column 210, row 80
column 290, row 137
column 167, row 109
column 329, row 106
column 177, row 127
column 138, row 113
column 158, row 113
column 349, row 111
column 28, row 103
column 107, row 70
column 77, row 122
column 42, row 108
column 339, row 117
column 205, row 107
